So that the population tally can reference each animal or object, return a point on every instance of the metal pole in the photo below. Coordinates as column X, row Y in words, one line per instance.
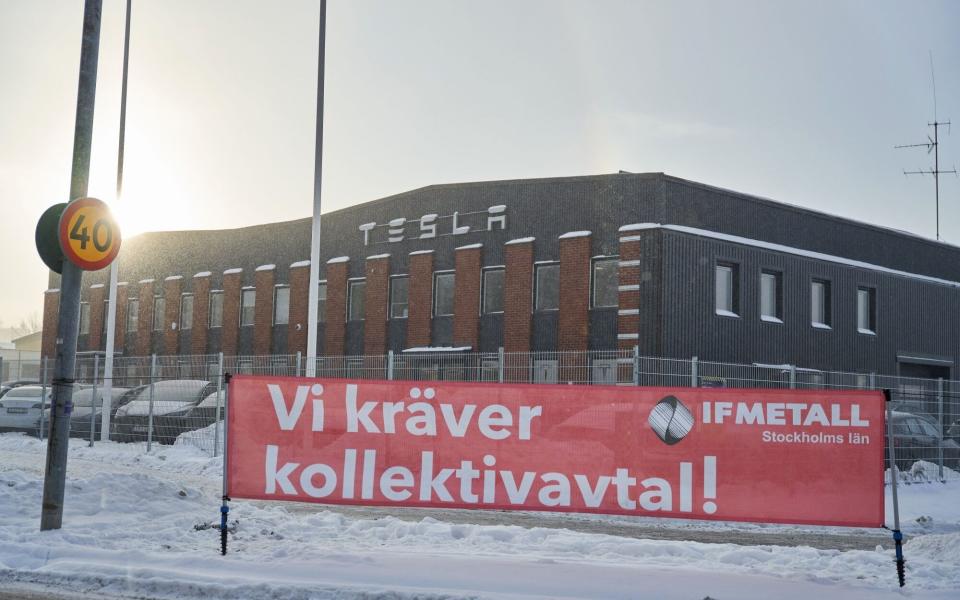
column 940, row 427
column 43, row 397
column 317, row 185
column 51, row 512
column 153, row 377
column 389, row 365
column 897, row 535
column 107, row 407
column 216, row 419
column 224, row 507
column 636, row 365
column 793, row 377
column 500, row 365
column 93, row 396
column 695, row 371
column 297, row 372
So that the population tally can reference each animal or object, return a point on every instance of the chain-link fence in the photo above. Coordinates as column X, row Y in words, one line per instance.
column 180, row 399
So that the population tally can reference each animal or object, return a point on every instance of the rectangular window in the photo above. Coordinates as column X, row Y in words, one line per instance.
column 866, row 310
column 771, row 296
column 133, row 315
column 399, row 297
column 322, row 302
column 605, row 281
column 357, row 292
column 281, row 305
column 84, row 318
column 493, row 291
column 727, row 292
column 159, row 307
column 820, row 304
column 216, row 309
column 443, row 286
column 547, row 287
column 248, row 307
column 186, row 311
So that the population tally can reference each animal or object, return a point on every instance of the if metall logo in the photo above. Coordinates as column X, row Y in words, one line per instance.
column 670, row 420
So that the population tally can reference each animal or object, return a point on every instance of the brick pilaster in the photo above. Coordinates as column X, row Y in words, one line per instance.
column 97, row 316
column 466, row 298
column 120, row 326
column 628, row 295
column 573, row 321
column 419, row 318
column 145, row 318
column 299, row 307
column 518, row 296
column 263, row 280
column 336, row 324
column 376, row 304
column 51, row 316
column 230, row 330
column 172, row 287
column 201, row 313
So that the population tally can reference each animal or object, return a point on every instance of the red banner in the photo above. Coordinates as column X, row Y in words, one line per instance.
column 765, row 455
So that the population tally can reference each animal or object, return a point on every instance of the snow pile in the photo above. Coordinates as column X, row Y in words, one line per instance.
column 203, row 439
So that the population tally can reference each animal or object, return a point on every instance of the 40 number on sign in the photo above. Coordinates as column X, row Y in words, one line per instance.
column 89, row 236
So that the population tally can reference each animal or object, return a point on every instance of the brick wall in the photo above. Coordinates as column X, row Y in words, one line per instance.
column 336, row 327
column 97, row 316
column 420, row 300
column 145, row 323
column 201, row 314
column 230, row 331
column 466, row 298
column 299, row 308
column 263, row 280
column 376, row 305
column 120, row 328
column 573, row 320
column 172, row 287
column 51, row 316
column 518, row 296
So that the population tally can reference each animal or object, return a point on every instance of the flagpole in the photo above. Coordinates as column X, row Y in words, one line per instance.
column 312, row 315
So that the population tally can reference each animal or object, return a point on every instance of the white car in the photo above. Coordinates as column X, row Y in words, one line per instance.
column 20, row 408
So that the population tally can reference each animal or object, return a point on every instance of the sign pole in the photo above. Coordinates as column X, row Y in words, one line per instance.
column 897, row 535
column 51, row 515
column 114, row 268
column 311, row 367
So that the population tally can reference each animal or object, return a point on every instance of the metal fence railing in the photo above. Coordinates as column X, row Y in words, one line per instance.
column 179, row 399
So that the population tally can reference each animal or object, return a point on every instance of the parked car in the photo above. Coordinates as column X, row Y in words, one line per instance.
column 20, row 408
column 80, row 417
column 205, row 413
column 953, row 432
column 6, row 386
column 172, row 401
column 915, row 438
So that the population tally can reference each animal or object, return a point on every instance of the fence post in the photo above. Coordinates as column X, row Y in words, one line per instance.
column 636, row 365
column 873, row 381
column 793, row 377
column 695, row 371
column 153, row 376
column 216, row 419
column 93, row 396
column 43, row 395
column 389, row 365
column 500, row 364
column 940, row 424
column 295, row 374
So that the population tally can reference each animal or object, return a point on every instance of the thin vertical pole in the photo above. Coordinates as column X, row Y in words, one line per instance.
column 216, row 419
column 93, row 397
column 43, row 397
column 299, row 359
column 51, row 511
column 897, row 535
column 500, row 365
column 940, row 428
column 793, row 376
column 695, row 372
column 317, row 185
column 153, row 379
column 224, row 507
column 115, row 267
column 389, row 365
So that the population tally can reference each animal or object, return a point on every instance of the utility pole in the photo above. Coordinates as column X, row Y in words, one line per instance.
column 311, row 366
column 107, row 407
column 51, row 515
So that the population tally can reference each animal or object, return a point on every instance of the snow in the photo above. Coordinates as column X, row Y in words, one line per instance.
column 770, row 319
column 638, row 227
column 378, row 256
column 300, row 263
column 526, row 240
column 866, row 331
column 338, row 259
column 496, row 209
column 573, row 234
column 174, row 278
column 266, row 267
column 233, row 271
column 96, row 286
column 816, row 325
column 416, row 252
column 439, row 349
column 52, row 291
column 469, row 247
column 135, row 524
column 203, row 274
column 147, row 280
column 726, row 313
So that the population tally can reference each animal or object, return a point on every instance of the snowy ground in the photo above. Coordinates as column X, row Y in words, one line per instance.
column 129, row 531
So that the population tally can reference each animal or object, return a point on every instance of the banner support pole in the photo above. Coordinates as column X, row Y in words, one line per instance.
column 224, row 507
column 897, row 535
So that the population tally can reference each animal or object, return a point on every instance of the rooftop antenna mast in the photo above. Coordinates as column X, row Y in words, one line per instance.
column 932, row 145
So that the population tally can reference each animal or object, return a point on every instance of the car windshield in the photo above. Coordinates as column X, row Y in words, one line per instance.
column 172, row 391
column 24, row 392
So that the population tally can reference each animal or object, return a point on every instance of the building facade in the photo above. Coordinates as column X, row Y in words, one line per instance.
column 669, row 266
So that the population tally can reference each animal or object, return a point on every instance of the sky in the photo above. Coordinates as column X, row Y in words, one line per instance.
column 801, row 102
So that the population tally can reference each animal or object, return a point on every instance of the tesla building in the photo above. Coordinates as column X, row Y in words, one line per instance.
column 669, row 266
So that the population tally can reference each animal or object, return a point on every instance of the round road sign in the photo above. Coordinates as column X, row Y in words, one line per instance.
column 89, row 236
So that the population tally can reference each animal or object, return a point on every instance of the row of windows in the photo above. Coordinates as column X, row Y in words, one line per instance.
column 603, row 294
column 727, row 299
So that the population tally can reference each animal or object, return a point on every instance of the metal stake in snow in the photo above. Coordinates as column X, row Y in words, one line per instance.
column 897, row 535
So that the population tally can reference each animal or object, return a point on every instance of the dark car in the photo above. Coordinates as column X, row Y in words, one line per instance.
column 82, row 412
column 172, row 402
column 205, row 413
column 916, row 438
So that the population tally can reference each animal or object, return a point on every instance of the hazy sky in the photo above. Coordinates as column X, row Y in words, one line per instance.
column 801, row 102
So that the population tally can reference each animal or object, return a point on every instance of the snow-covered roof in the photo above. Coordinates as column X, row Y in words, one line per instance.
column 574, row 234
column 300, row 263
column 266, row 267
column 96, row 286
column 638, row 227
column 469, row 247
column 439, row 349
column 499, row 208
column 203, row 274
column 338, row 259
column 415, row 252
column 377, row 256
column 233, row 271
column 147, row 280
column 174, row 278
column 526, row 240
column 52, row 291
column 248, row 287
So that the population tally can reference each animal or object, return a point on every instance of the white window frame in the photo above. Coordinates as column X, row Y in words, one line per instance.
column 130, row 313
column 827, row 309
column 210, row 311
column 159, row 314
column 734, row 269
column 453, row 299
column 252, row 292
column 276, row 304
column 777, row 276
column 872, row 317
column 406, row 304
column 84, row 317
column 193, row 306
column 593, row 280
column 483, row 289
column 351, row 284
column 536, row 285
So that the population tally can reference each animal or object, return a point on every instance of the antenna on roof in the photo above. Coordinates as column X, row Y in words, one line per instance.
column 932, row 145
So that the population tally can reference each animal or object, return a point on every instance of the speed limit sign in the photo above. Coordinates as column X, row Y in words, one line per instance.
column 89, row 236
